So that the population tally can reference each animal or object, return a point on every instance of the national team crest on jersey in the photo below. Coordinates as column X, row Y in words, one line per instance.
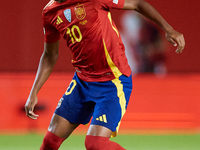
column 68, row 15
column 80, row 11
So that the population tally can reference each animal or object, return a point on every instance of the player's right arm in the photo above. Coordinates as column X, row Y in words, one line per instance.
column 46, row 65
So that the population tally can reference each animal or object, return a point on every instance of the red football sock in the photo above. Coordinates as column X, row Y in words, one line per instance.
column 101, row 143
column 51, row 142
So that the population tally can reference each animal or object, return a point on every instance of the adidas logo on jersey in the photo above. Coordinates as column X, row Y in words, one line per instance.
column 102, row 118
column 59, row 20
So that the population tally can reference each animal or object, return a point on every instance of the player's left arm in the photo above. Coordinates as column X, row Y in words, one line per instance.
column 141, row 6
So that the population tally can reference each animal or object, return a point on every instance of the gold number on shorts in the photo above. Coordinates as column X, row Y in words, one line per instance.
column 72, row 85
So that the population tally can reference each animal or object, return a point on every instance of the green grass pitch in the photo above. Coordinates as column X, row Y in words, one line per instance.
column 130, row 142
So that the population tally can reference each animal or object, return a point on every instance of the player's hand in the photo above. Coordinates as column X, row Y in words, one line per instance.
column 29, row 107
column 176, row 39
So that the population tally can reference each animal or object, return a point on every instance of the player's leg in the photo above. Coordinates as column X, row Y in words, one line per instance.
column 59, row 129
column 71, row 111
column 98, row 137
column 111, row 103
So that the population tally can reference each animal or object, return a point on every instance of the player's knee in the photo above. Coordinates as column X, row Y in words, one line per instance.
column 51, row 142
column 95, row 142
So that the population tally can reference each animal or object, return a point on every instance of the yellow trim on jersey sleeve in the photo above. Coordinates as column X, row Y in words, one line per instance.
column 122, row 101
column 115, row 29
column 114, row 69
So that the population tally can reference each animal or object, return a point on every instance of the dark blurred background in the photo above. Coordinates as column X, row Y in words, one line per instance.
column 21, row 35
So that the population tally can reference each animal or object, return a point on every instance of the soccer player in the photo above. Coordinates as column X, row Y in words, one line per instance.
column 102, row 83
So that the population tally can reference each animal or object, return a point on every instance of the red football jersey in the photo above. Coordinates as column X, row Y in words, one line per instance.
column 91, row 35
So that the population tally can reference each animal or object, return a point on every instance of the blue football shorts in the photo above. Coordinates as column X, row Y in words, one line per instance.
column 105, row 102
